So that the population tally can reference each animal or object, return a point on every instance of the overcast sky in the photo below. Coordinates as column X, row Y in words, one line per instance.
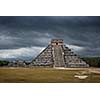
column 24, row 37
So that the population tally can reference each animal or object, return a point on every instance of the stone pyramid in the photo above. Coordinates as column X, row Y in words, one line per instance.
column 58, row 55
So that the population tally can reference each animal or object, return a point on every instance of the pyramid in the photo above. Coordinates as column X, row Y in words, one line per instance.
column 58, row 55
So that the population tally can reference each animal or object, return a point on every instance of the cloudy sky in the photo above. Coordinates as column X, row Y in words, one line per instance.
column 24, row 37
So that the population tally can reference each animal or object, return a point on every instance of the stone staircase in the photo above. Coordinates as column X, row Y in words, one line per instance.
column 58, row 56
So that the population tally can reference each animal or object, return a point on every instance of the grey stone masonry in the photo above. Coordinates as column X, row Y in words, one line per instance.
column 58, row 55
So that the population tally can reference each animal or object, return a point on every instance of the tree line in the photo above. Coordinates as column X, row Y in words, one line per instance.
column 4, row 63
column 92, row 61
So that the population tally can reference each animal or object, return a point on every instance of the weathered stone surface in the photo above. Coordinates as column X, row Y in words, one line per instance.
column 58, row 55
column 18, row 63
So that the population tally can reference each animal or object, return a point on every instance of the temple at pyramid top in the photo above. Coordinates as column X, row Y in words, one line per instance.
column 56, row 54
column 56, row 42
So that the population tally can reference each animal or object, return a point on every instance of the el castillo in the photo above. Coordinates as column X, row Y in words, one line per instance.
column 55, row 64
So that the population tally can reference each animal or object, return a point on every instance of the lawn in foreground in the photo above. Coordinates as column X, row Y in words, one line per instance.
column 44, row 75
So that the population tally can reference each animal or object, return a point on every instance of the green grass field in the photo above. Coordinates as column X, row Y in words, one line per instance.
column 45, row 75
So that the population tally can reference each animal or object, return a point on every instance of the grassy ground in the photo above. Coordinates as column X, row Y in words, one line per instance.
column 45, row 75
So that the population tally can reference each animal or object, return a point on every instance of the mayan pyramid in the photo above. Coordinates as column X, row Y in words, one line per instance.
column 58, row 55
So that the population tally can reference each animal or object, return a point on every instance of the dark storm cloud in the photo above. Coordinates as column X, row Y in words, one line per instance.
column 22, row 32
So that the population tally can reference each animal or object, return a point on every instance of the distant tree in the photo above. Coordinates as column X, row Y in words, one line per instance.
column 4, row 63
column 98, row 64
column 92, row 61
